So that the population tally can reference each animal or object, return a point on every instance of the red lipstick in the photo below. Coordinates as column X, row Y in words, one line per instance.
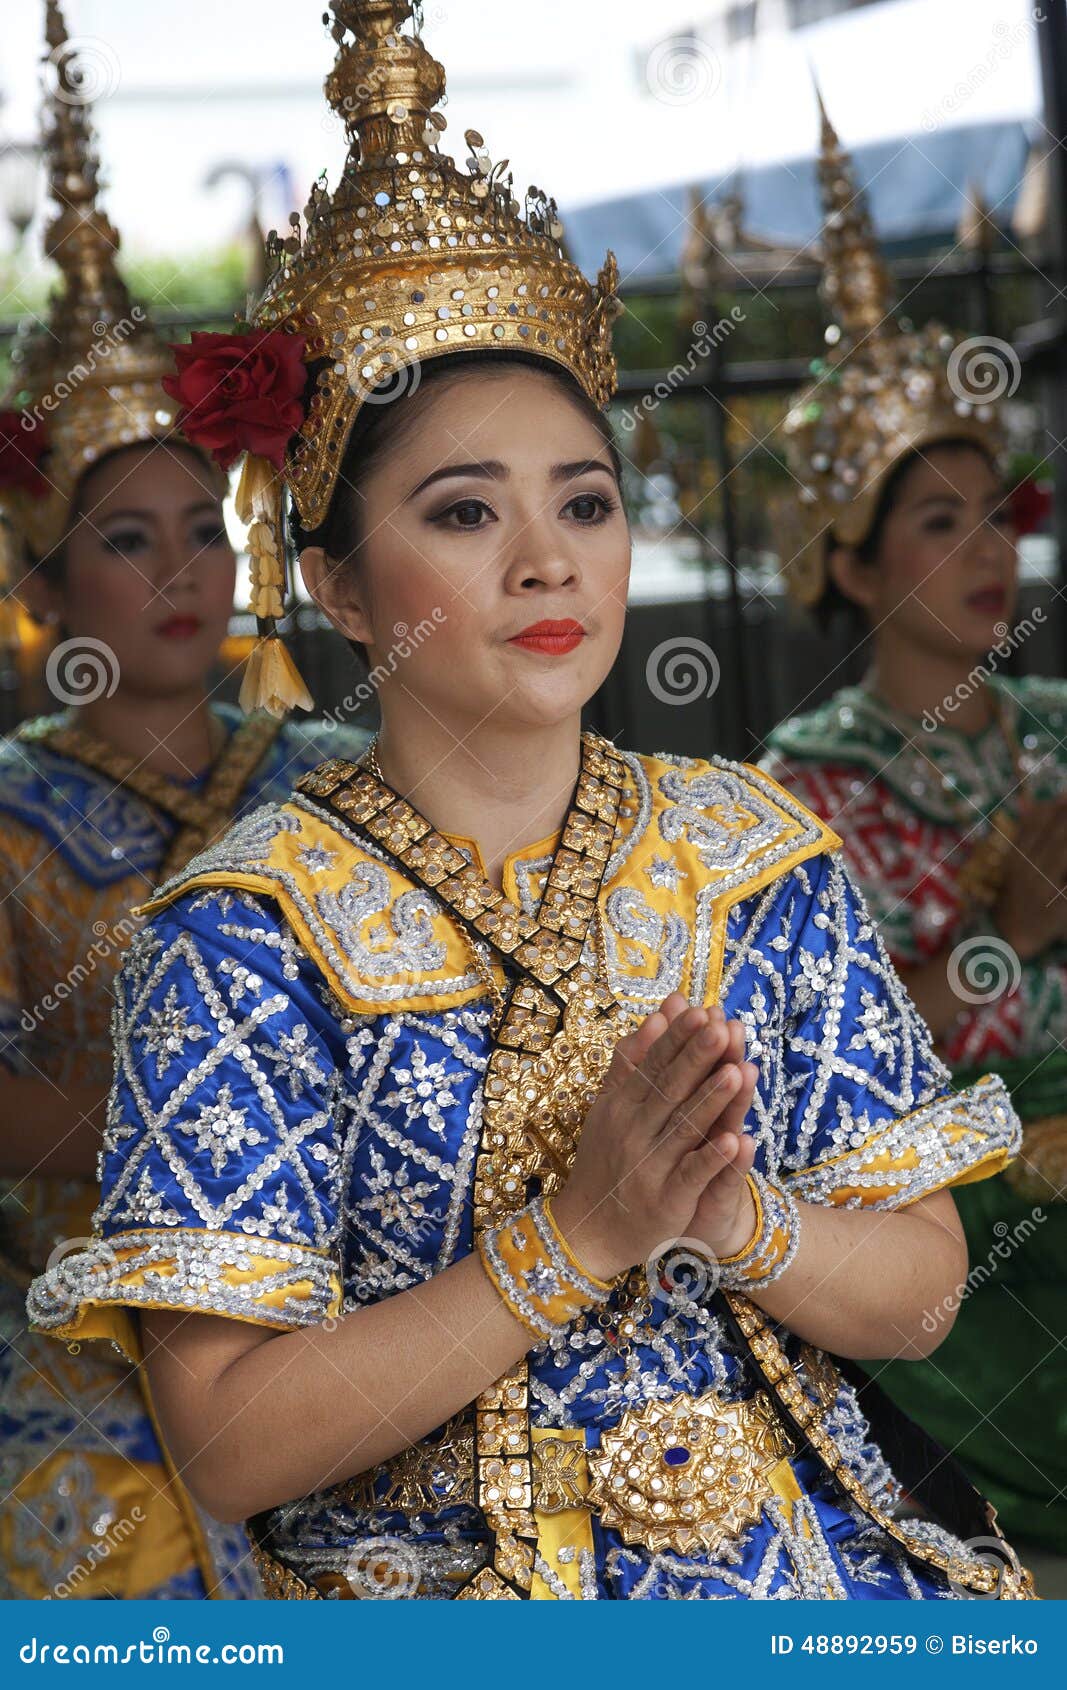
column 179, row 627
column 554, row 639
column 989, row 601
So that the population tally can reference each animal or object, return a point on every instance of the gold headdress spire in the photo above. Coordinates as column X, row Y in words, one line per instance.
column 412, row 258
column 855, row 283
column 87, row 381
column 881, row 391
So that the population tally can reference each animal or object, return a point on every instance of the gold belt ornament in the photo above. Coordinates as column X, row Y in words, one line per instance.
column 689, row 1474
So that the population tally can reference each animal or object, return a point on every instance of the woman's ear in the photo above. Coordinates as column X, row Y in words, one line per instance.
column 40, row 598
column 335, row 590
column 857, row 580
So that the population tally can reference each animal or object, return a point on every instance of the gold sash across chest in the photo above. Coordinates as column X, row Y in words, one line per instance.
column 552, row 1046
column 202, row 813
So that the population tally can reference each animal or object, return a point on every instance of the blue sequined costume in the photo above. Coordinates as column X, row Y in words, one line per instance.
column 88, row 1506
column 301, row 1042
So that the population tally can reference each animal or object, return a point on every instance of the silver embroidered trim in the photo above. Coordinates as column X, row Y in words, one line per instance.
column 984, row 1109
column 562, row 1269
column 184, row 1270
column 332, row 918
column 760, row 1264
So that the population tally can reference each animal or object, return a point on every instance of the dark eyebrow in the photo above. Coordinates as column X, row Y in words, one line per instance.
column 493, row 470
column 132, row 515
column 570, row 472
column 938, row 499
column 953, row 498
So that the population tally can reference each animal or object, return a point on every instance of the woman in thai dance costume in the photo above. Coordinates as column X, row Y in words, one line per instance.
column 947, row 783
column 114, row 533
column 526, row 1124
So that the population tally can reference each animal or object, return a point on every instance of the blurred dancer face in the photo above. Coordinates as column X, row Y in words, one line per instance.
column 943, row 576
column 147, row 568
column 491, row 572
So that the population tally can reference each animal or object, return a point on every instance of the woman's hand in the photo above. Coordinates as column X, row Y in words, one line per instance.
column 666, row 1126
column 725, row 1217
column 1031, row 911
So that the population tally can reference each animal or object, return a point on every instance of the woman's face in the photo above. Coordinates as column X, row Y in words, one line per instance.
column 491, row 581
column 945, row 574
column 147, row 568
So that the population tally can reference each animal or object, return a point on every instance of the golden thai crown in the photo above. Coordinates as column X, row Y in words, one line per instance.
column 410, row 258
column 883, row 390
column 87, row 381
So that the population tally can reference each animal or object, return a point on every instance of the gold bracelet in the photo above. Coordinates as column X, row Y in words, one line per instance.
column 537, row 1274
column 774, row 1241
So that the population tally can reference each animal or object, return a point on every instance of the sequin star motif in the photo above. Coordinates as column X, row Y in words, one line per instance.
column 424, row 1090
column 294, row 1060
column 876, row 1030
column 316, row 858
column 662, row 872
column 542, row 1282
column 167, row 1031
column 220, row 1128
column 814, row 974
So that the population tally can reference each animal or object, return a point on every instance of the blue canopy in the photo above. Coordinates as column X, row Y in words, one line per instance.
column 916, row 188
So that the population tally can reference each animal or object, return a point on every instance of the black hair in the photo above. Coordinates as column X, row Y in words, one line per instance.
column 835, row 606
column 381, row 425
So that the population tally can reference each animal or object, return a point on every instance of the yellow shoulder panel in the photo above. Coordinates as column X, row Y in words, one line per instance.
column 380, row 942
column 707, row 835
